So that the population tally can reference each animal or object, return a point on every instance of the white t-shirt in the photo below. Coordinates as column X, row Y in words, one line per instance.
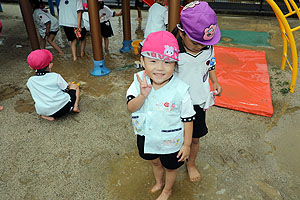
column 41, row 19
column 194, row 70
column 47, row 93
column 68, row 13
column 108, row 13
column 186, row 112
column 157, row 19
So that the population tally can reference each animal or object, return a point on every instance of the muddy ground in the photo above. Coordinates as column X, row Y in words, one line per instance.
column 92, row 155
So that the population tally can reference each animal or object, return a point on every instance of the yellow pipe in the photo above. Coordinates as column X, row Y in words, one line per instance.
column 282, row 20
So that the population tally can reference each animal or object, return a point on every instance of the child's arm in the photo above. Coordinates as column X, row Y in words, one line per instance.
column 215, row 84
column 187, row 116
column 184, row 152
column 79, row 17
column 48, row 25
column 117, row 14
column 145, row 88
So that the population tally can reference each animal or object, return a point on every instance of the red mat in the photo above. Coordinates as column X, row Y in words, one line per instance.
column 244, row 77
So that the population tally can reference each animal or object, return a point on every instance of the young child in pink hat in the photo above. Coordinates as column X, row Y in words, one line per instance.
column 162, row 111
column 196, row 35
column 52, row 95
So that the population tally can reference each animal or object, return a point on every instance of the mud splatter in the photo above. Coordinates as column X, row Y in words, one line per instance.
column 8, row 91
column 23, row 106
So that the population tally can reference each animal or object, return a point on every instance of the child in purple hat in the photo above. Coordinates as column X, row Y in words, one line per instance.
column 53, row 96
column 162, row 111
column 196, row 35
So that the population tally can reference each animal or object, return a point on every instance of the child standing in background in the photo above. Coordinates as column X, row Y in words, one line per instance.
column 47, row 25
column 139, row 5
column 196, row 35
column 70, row 18
column 162, row 111
column 106, row 30
column 157, row 18
column 53, row 96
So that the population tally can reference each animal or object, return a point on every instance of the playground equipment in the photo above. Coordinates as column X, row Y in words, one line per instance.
column 287, row 36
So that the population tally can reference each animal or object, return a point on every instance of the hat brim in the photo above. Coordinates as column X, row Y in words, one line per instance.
column 213, row 41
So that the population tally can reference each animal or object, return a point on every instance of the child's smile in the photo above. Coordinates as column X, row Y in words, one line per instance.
column 159, row 71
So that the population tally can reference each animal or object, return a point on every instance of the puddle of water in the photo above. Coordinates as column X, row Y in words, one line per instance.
column 288, row 148
column 132, row 178
column 23, row 106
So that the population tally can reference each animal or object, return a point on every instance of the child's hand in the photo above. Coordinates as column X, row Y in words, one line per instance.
column 144, row 86
column 217, row 87
column 184, row 153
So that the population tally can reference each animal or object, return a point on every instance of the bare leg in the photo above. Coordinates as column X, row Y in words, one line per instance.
column 75, row 87
column 48, row 118
column 73, row 48
column 170, row 180
column 82, row 47
column 191, row 167
column 53, row 44
column 43, row 42
column 106, row 43
column 139, row 13
column 158, row 171
column 1, row 108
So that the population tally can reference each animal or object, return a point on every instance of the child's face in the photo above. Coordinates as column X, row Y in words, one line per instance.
column 158, row 70
column 190, row 45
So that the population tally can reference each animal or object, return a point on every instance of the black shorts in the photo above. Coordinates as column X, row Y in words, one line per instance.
column 139, row 4
column 68, row 107
column 53, row 32
column 69, row 31
column 199, row 125
column 106, row 30
column 169, row 161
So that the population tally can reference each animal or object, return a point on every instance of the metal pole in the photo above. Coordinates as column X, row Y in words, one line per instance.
column 26, row 9
column 95, row 29
column 126, row 26
column 100, row 68
column 174, row 14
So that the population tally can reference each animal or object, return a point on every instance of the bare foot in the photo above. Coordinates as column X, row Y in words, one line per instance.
column 60, row 53
column 82, row 54
column 76, row 109
column 106, row 50
column 156, row 187
column 164, row 195
column 1, row 108
column 193, row 173
column 74, row 58
column 48, row 118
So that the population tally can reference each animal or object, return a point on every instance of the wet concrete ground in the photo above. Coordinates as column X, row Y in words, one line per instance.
column 92, row 155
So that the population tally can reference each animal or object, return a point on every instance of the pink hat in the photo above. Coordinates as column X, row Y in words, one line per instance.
column 39, row 59
column 161, row 45
column 199, row 22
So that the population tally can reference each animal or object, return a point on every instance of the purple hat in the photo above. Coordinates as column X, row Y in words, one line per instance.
column 199, row 22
